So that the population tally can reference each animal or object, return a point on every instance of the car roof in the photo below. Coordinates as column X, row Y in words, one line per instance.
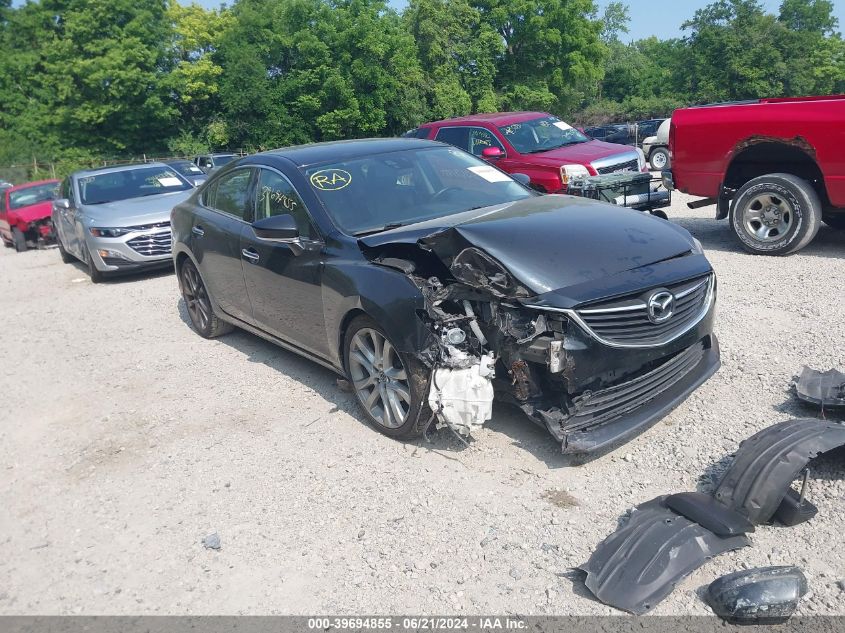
column 314, row 153
column 111, row 169
column 34, row 183
column 496, row 118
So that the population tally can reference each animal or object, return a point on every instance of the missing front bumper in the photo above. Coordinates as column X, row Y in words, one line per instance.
column 613, row 415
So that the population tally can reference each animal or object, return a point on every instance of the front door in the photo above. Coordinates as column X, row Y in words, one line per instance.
column 283, row 277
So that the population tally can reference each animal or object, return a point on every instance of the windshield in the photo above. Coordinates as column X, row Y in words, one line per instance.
column 33, row 195
column 130, row 183
column 541, row 135
column 222, row 160
column 382, row 191
column 187, row 168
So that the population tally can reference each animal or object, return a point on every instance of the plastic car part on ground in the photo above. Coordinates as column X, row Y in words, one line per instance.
column 766, row 464
column 823, row 389
column 668, row 537
column 761, row 595
column 639, row 564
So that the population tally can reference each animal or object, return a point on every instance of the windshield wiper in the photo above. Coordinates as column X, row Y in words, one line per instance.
column 386, row 227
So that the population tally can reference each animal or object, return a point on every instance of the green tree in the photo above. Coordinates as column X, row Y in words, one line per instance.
column 553, row 54
column 457, row 53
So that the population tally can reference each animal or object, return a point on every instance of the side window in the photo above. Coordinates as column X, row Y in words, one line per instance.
column 457, row 136
column 67, row 190
column 480, row 139
column 276, row 196
column 204, row 162
column 232, row 195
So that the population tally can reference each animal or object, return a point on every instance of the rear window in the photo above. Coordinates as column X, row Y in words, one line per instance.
column 420, row 132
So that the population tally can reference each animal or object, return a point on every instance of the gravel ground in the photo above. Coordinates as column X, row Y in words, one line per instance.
column 126, row 440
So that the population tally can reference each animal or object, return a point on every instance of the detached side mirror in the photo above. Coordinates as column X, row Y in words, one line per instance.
column 62, row 203
column 492, row 153
column 276, row 227
column 523, row 179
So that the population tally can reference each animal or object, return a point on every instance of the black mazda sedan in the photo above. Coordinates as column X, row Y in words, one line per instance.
column 433, row 282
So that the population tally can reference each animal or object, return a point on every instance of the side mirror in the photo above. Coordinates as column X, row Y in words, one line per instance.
column 523, row 179
column 492, row 153
column 62, row 203
column 276, row 227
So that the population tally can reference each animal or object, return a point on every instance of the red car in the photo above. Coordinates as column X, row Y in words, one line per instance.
column 550, row 152
column 25, row 214
column 774, row 167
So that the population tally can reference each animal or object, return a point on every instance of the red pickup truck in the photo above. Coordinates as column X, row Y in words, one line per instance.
column 541, row 146
column 774, row 167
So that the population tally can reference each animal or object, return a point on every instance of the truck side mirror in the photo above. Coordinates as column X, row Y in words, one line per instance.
column 492, row 153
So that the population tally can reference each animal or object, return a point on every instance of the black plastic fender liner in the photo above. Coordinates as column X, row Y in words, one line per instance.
column 709, row 513
column 638, row 565
column 764, row 594
column 766, row 463
column 825, row 389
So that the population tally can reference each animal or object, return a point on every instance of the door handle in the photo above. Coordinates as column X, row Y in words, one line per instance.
column 250, row 255
column 198, row 231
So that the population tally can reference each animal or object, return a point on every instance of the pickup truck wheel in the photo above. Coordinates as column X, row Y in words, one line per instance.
column 19, row 240
column 200, row 309
column 390, row 386
column 835, row 221
column 659, row 159
column 775, row 214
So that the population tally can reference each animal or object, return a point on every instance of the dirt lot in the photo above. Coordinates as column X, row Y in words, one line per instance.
column 125, row 439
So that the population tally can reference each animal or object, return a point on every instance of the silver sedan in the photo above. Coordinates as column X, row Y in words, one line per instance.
column 117, row 219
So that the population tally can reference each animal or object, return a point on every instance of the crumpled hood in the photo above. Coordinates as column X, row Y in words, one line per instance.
column 33, row 212
column 551, row 243
column 135, row 211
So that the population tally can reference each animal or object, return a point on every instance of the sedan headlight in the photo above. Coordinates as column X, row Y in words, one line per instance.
column 109, row 232
column 568, row 173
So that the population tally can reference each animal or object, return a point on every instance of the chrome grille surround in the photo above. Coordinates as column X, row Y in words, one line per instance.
column 624, row 321
column 631, row 165
column 152, row 244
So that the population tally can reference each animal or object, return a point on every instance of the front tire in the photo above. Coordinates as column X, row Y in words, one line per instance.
column 390, row 386
column 66, row 257
column 659, row 159
column 775, row 214
column 19, row 240
column 200, row 309
column 94, row 273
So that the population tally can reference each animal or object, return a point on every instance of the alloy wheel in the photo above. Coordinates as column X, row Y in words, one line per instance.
column 768, row 217
column 196, row 297
column 379, row 378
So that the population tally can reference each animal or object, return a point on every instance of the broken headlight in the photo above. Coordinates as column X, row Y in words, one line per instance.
column 477, row 269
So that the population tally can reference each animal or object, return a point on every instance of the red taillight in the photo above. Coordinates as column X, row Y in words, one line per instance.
column 671, row 138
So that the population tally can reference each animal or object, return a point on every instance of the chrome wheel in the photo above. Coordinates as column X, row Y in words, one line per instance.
column 768, row 217
column 379, row 378
column 196, row 297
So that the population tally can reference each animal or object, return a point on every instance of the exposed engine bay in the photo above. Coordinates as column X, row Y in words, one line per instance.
column 487, row 339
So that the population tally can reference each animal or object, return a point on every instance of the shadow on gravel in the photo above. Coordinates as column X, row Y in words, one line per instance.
column 127, row 277
column 506, row 419
column 716, row 235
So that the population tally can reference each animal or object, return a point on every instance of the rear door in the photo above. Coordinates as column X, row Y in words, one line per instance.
column 225, row 209
column 283, row 277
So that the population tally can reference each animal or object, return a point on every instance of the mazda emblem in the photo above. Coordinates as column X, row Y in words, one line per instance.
column 660, row 306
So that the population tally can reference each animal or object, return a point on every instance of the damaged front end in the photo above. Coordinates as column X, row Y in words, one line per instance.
column 593, row 372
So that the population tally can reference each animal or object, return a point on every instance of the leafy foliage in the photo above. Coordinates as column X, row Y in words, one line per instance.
column 87, row 79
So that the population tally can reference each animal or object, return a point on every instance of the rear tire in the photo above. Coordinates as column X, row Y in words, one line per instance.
column 19, row 240
column 835, row 221
column 775, row 214
column 66, row 257
column 198, row 302
column 659, row 159
column 390, row 386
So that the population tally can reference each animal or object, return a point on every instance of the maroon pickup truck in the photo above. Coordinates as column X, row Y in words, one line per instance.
column 775, row 167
